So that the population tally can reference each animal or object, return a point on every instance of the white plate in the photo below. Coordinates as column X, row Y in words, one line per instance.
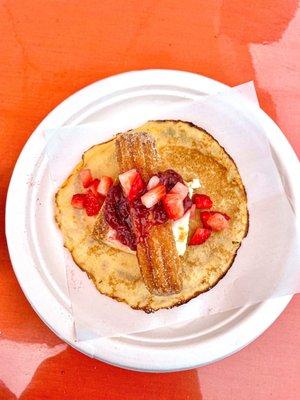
column 32, row 242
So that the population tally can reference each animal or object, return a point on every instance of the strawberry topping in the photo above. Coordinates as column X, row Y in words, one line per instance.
column 187, row 203
column 126, row 180
column 86, row 177
column 132, row 208
column 78, row 200
column 217, row 222
column 202, row 201
column 132, row 184
column 105, row 184
column 153, row 196
column 117, row 215
column 169, row 178
column 93, row 199
column 154, row 181
column 214, row 220
column 181, row 189
column 167, row 197
column 173, row 205
column 93, row 186
column 159, row 213
column 137, row 187
column 92, row 203
column 200, row 236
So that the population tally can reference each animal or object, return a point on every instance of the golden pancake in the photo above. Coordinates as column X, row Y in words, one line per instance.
column 193, row 153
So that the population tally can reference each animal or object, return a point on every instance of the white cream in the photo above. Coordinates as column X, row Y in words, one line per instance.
column 195, row 183
column 180, row 229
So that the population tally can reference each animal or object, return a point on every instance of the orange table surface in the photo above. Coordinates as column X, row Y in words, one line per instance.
column 50, row 49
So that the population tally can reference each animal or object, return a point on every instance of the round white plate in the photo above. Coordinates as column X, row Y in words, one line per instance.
column 31, row 242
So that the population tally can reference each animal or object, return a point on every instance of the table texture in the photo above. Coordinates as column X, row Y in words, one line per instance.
column 48, row 50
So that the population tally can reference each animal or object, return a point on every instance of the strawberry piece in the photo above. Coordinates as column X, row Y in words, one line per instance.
column 215, row 224
column 180, row 189
column 173, row 205
column 78, row 200
column 132, row 183
column 200, row 236
column 136, row 188
column 86, row 177
column 202, row 201
column 126, row 180
column 92, row 203
column 94, row 186
column 105, row 184
column 153, row 181
column 153, row 196
column 204, row 217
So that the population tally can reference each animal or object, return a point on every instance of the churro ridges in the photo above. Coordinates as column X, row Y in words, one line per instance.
column 157, row 255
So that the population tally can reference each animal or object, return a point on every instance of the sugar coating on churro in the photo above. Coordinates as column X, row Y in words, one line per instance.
column 157, row 255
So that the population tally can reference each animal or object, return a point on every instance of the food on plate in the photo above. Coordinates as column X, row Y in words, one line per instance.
column 155, row 216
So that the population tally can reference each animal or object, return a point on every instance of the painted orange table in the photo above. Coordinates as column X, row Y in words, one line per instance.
column 48, row 50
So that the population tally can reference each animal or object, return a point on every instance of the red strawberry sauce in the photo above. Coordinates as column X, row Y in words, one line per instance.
column 117, row 215
column 118, row 211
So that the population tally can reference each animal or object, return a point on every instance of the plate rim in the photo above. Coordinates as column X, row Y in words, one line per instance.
column 67, row 108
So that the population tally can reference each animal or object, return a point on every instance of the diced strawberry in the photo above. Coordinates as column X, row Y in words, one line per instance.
column 153, row 181
column 92, row 203
column 126, row 180
column 153, row 196
column 105, row 184
column 180, row 189
column 94, row 186
column 202, row 201
column 193, row 211
column 215, row 224
column 86, row 177
column 204, row 217
column 136, row 188
column 78, row 200
column 132, row 183
column 173, row 205
column 200, row 236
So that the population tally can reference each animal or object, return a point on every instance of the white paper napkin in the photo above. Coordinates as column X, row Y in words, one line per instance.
column 267, row 264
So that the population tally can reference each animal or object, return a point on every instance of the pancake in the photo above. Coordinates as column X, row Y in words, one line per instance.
column 193, row 153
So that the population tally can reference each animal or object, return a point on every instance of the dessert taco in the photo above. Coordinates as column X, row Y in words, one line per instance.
column 155, row 216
